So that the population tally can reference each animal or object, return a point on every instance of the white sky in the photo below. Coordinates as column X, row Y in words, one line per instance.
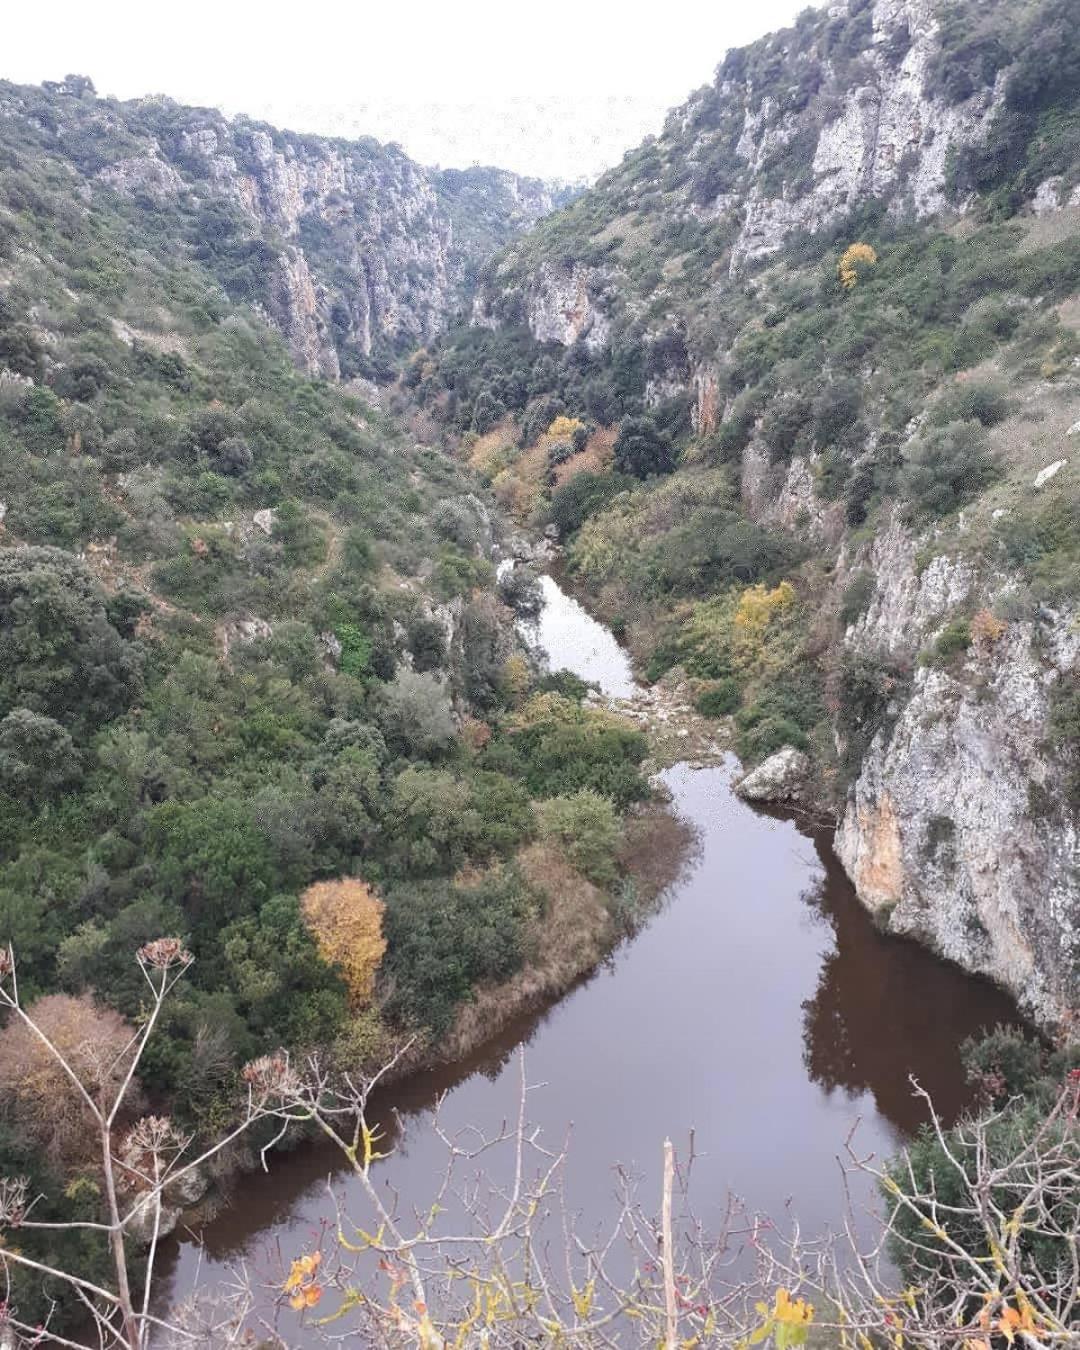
column 556, row 88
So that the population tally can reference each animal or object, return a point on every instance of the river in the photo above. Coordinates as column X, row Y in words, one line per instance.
column 759, row 1008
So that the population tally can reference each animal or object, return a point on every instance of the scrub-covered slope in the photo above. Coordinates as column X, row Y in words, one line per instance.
column 355, row 251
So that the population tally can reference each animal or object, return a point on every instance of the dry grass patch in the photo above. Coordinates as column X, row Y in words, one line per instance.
column 570, row 938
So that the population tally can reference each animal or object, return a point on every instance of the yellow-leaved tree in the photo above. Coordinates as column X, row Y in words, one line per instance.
column 564, row 427
column 345, row 918
column 854, row 256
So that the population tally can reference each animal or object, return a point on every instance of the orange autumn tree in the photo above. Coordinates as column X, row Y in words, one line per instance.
column 345, row 918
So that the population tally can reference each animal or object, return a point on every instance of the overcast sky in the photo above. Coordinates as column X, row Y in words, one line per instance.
column 557, row 88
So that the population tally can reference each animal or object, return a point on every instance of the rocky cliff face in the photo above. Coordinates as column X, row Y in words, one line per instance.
column 795, row 134
column 953, row 831
column 887, row 137
column 366, row 252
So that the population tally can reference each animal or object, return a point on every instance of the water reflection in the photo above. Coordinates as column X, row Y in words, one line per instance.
column 885, row 1008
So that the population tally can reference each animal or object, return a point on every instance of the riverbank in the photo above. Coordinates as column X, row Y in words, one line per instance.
column 757, row 1004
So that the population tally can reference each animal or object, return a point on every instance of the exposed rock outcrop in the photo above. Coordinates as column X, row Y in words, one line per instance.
column 372, row 251
column 780, row 778
column 890, row 139
column 786, row 162
column 954, row 831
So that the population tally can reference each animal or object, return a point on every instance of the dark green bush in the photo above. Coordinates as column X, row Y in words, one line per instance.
column 444, row 939
column 947, row 467
column 858, row 595
column 719, row 699
column 584, row 495
column 953, row 640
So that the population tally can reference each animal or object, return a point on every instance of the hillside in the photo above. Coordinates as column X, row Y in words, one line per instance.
column 258, row 686
column 351, row 248
column 797, row 383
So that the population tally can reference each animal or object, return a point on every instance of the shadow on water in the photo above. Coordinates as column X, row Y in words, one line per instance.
column 759, row 1008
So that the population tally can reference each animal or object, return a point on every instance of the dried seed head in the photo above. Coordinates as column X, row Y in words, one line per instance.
column 148, row 1147
column 164, row 954
column 12, row 1200
column 271, row 1075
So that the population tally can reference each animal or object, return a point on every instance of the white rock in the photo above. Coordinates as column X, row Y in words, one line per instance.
column 1074, row 430
column 1047, row 196
column 998, row 513
column 264, row 520
column 778, row 779
column 1044, row 475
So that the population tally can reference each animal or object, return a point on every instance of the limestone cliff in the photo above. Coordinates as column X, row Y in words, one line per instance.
column 363, row 252
column 954, row 830
column 795, row 134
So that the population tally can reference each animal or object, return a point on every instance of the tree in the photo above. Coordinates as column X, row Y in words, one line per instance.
column 418, row 713
column 486, row 645
column 37, row 756
column 233, row 456
column 854, row 258
column 345, row 918
column 93, row 1040
column 59, row 654
column 211, row 857
column 947, row 467
column 587, row 827
column 641, row 450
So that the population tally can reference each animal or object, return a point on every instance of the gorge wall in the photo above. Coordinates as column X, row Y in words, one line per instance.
column 360, row 251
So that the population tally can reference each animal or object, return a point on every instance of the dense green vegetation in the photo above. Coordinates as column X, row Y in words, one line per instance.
column 1019, row 1079
column 224, row 670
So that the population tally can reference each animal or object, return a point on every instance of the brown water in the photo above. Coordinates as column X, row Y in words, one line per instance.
column 759, row 1008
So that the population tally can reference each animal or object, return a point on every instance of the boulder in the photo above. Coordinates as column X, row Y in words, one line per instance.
column 780, row 778
column 1044, row 475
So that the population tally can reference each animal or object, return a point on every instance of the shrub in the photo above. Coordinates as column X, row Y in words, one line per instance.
column 210, row 857
column 443, row 939
column 417, row 713
column 587, row 827
column 642, row 450
column 761, row 735
column 781, row 426
column 59, row 654
column 520, row 590
column 856, row 259
column 858, row 595
column 95, row 1041
column 584, row 495
column 715, row 548
column 1065, row 729
column 972, row 401
column 563, row 748
column 457, row 574
column 37, row 757
column 865, row 687
column 426, row 638
column 948, row 466
column 719, row 698
column 835, row 410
